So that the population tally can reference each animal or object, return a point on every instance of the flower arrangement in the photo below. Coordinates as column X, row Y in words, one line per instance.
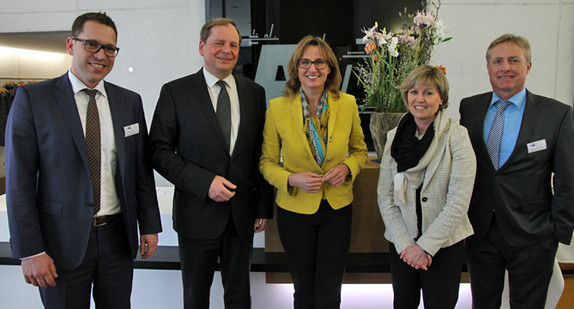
column 392, row 56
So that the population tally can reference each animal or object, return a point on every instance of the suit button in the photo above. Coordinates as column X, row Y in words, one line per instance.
column 329, row 160
column 330, row 139
column 424, row 199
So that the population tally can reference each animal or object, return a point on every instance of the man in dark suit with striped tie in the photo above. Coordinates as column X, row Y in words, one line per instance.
column 523, row 198
column 78, row 184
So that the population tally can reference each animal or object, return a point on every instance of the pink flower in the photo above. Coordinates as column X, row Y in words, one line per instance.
column 423, row 19
column 370, row 34
column 407, row 39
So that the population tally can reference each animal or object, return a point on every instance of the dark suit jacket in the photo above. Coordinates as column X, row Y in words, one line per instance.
column 187, row 148
column 48, row 188
column 520, row 192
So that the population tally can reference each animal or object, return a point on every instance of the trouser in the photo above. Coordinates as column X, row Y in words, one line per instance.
column 529, row 270
column 316, row 246
column 108, row 266
column 199, row 259
column 439, row 284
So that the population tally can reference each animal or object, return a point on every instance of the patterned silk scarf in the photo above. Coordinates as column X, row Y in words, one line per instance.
column 316, row 127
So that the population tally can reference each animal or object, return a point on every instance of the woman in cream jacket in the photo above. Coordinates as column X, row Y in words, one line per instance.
column 313, row 148
column 425, row 184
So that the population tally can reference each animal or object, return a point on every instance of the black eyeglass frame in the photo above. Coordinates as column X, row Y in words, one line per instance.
column 321, row 61
column 107, row 48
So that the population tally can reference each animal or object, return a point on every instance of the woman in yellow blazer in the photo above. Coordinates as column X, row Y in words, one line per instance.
column 313, row 148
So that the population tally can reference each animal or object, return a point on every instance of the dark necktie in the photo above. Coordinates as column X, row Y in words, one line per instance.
column 495, row 135
column 224, row 112
column 93, row 144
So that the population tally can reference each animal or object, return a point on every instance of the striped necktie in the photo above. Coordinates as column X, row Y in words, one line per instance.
column 93, row 145
column 495, row 135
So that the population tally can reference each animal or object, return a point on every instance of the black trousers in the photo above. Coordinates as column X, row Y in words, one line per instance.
column 108, row 266
column 199, row 261
column 529, row 270
column 439, row 284
column 317, row 246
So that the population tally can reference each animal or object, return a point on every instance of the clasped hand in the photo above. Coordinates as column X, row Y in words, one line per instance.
column 311, row 182
column 416, row 257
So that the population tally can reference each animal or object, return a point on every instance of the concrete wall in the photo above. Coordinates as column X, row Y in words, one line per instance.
column 158, row 39
column 547, row 24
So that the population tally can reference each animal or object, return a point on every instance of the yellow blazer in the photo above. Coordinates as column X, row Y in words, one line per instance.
column 284, row 136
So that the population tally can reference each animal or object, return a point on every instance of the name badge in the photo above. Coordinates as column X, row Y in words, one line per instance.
column 132, row 129
column 536, row 146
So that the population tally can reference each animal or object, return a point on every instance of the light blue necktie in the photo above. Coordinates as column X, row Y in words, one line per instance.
column 495, row 135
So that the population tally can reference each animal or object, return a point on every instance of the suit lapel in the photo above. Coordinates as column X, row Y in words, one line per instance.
column 478, row 126
column 297, row 114
column 200, row 95
column 333, row 108
column 245, row 112
column 440, row 126
column 529, row 119
column 117, row 111
column 64, row 97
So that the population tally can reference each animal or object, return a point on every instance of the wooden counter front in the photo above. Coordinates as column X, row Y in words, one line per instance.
column 366, row 233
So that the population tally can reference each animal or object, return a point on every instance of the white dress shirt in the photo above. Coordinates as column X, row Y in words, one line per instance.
column 109, row 201
column 214, row 89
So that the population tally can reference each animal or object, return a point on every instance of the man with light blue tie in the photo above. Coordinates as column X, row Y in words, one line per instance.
column 523, row 198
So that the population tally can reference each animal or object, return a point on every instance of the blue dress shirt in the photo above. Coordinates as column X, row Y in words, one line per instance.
column 512, row 121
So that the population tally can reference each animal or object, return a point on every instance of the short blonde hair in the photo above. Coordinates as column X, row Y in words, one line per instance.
column 427, row 75
column 512, row 38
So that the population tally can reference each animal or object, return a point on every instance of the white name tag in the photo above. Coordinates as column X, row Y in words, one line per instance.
column 132, row 129
column 536, row 146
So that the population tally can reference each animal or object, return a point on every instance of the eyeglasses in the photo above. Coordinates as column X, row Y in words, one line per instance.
column 320, row 64
column 94, row 47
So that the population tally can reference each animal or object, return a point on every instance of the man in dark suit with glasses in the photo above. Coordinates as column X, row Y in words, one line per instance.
column 78, row 185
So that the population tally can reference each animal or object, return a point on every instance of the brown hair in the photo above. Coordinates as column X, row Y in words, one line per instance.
column 333, row 82
column 206, row 29
column 100, row 18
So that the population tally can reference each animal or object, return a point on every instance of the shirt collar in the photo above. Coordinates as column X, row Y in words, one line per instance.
column 518, row 99
column 78, row 85
column 210, row 79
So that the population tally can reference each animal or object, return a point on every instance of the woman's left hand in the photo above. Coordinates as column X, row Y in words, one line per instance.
column 416, row 257
column 336, row 175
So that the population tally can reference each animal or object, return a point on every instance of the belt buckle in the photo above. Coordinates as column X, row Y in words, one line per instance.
column 95, row 222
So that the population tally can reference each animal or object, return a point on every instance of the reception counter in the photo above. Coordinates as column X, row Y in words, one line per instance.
column 367, row 240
